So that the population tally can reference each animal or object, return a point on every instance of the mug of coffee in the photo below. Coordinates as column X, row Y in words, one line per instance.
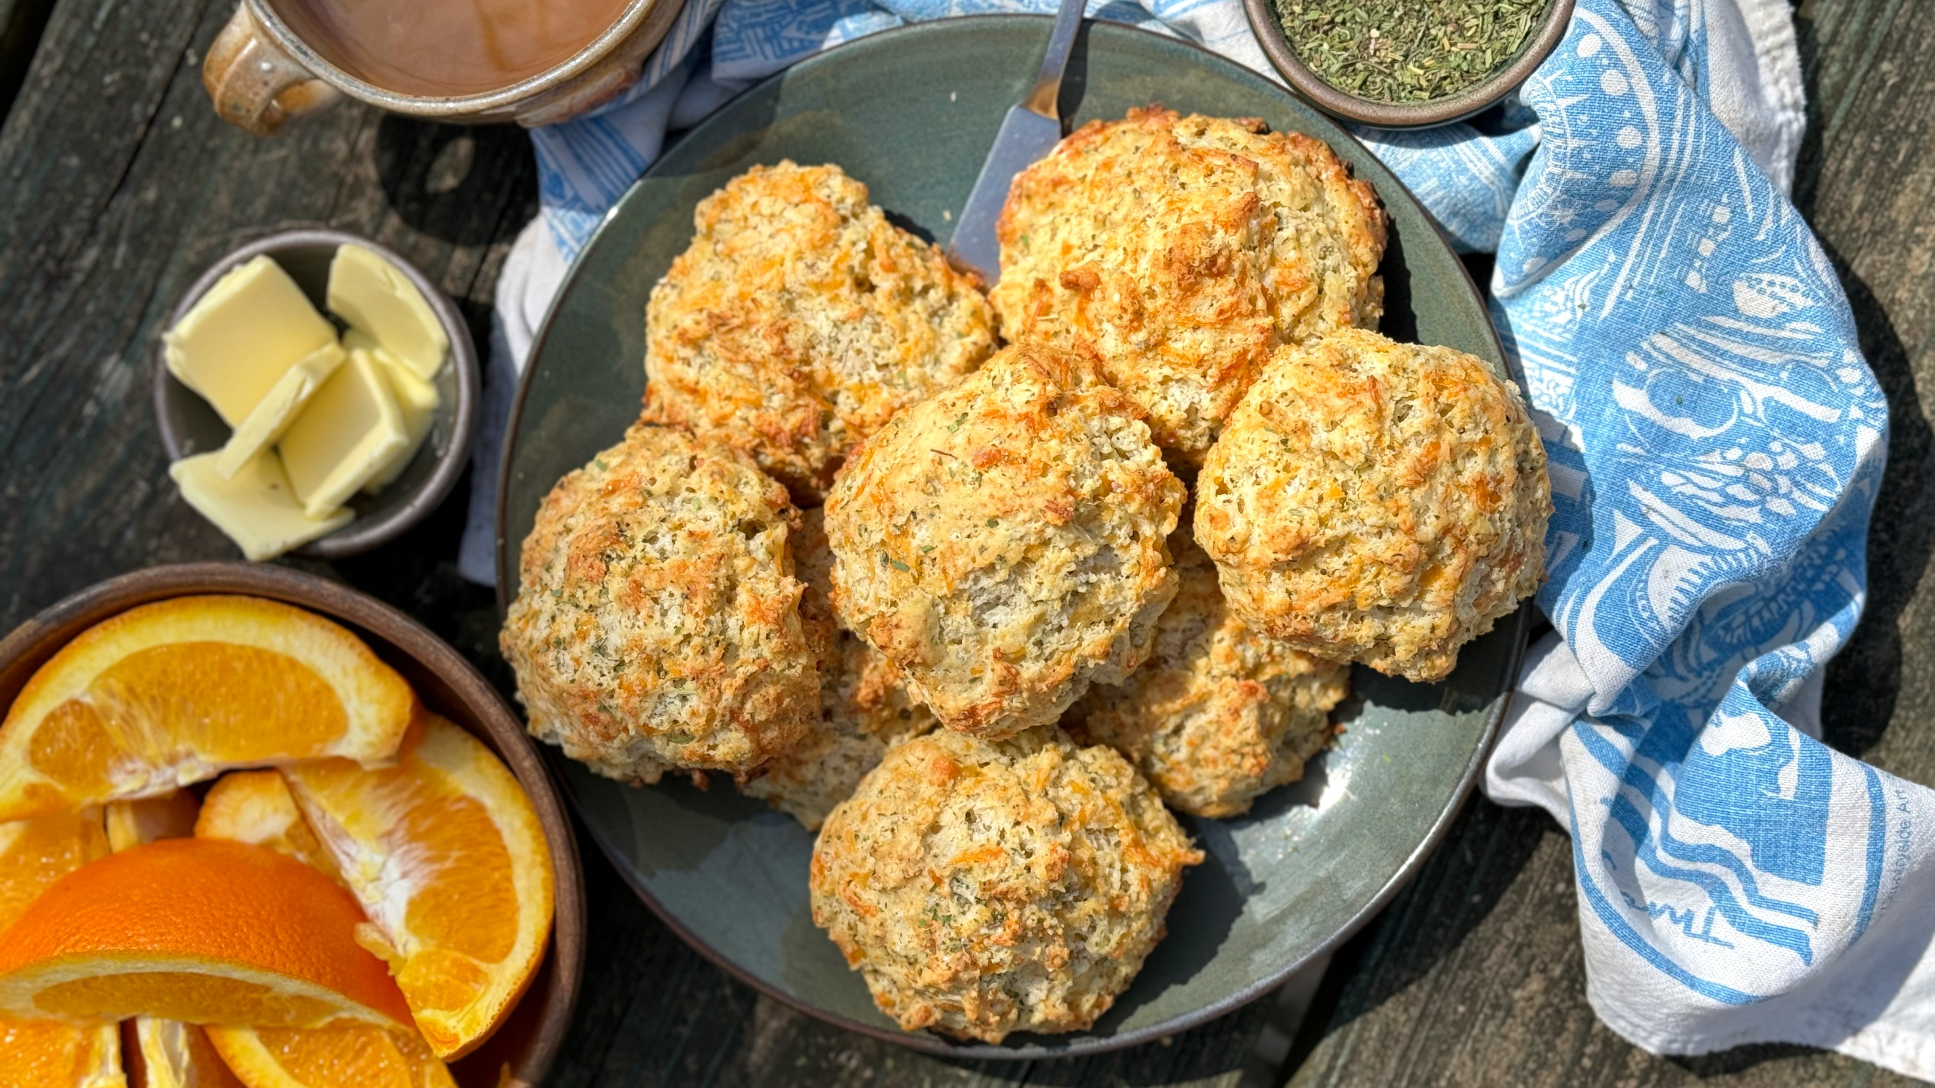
column 530, row 61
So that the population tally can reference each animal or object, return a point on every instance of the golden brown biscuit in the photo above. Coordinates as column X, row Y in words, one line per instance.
column 1220, row 714
column 983, row 887
column 1377, row 502
column 864, row 707
column 1002, row 542
column 1182, row 249
column 657, row 623
column 800, row 319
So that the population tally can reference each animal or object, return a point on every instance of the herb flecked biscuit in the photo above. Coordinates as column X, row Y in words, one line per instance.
column 800, row 319
column 1220, row 714
column 983, row 887
column 657, row 623
column 1002, row 542
column 1182, row 249
column 1377, row 502
column 864, row 707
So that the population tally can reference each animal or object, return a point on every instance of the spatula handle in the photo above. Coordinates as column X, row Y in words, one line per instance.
column 1048, row 85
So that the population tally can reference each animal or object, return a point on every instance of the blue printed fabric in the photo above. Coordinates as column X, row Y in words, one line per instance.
column 1715, row 441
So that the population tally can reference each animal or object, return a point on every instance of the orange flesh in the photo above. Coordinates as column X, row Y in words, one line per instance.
column 435, row 871
column 170, row 704
column 41, row 1052
column 349, row 1057
column 181, row 995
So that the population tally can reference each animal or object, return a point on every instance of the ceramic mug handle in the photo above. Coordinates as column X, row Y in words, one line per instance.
column 254, row 85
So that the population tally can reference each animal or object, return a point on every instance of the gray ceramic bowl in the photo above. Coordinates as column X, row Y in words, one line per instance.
column 912, row 112
column 189, row 424
column 1438, row 111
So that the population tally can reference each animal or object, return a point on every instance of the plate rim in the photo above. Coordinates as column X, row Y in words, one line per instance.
column 1083, row 1043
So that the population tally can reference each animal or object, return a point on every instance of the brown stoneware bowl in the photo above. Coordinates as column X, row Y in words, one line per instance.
column 1346, row 106
column 522, row 1050
column 189, row 424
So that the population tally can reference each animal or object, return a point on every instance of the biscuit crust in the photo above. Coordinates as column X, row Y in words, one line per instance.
column 864, row 706
column 800, row 319
column 1376, row 502
column 657, row 623
column 1220, row 714
column 1003, row 542
column 1182, row 250
column 983, row 887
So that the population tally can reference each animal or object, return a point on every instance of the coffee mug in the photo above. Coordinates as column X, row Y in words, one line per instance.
column 259, row 73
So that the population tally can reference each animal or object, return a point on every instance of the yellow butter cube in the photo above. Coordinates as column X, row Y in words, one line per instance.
column 278, row 407
column 256, row 508
column 375, row 297
column 417, row 400
column 343, row 437
column 249, row 328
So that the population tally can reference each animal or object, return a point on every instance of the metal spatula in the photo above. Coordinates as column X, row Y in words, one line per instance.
column 1031, row 129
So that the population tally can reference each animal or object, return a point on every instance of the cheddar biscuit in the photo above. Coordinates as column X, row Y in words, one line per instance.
column 657, row 623
column 1377, row 502
column 1002, row 542
column 799, row 319
column 983, row 887
column 1220, row 713
column 1182, row 250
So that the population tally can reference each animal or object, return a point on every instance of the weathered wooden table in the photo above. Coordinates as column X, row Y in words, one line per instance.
column 120, row 186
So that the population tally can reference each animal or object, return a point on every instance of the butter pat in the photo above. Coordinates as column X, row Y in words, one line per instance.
column 417, row 401
column 235, row 342
column 377, row 298
column 346, row 435
column 256, row 508
column 277, row 409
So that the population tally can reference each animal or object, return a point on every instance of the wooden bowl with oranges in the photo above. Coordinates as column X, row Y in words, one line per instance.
column 258, row 828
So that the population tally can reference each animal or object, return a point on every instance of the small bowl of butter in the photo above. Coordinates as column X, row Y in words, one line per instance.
column 316, row 393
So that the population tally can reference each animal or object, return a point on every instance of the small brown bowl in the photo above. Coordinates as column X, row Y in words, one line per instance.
column 189, row 424
column 1437, row 111
column 522, row 1050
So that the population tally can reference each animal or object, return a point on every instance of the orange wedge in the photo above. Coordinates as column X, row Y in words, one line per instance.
column 339, row 1057
column 257, row 807
column 171, row 1054
column 177, row 691
column 33, row 855
column 449, row 861
column 198, row 930
column 164, row 1053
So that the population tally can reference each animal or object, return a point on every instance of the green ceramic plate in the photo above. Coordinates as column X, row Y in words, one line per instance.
column 911, row 112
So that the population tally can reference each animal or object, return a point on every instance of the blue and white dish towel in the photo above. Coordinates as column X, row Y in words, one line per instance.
column 1716, row 441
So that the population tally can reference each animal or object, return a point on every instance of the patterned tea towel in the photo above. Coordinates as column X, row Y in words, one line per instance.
column 1715, row 440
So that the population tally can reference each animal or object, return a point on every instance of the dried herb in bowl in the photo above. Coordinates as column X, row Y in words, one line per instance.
column 1407, row 50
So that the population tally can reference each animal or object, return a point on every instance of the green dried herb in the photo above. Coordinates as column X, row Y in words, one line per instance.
column 1407, row 50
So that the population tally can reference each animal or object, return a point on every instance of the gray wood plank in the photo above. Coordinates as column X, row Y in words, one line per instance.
column 1474, row 976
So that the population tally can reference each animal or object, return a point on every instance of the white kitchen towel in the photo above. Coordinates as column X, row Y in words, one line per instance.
column 1715, row 443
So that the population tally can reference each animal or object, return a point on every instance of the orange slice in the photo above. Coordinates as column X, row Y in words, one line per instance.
column 197, row 930
column 257, row 807
column 339, row 1057
column 175, row 692
column 33, row 855
column 164, row 1053
column 42, row 1052
column 449, row 861
column 171, row 1054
